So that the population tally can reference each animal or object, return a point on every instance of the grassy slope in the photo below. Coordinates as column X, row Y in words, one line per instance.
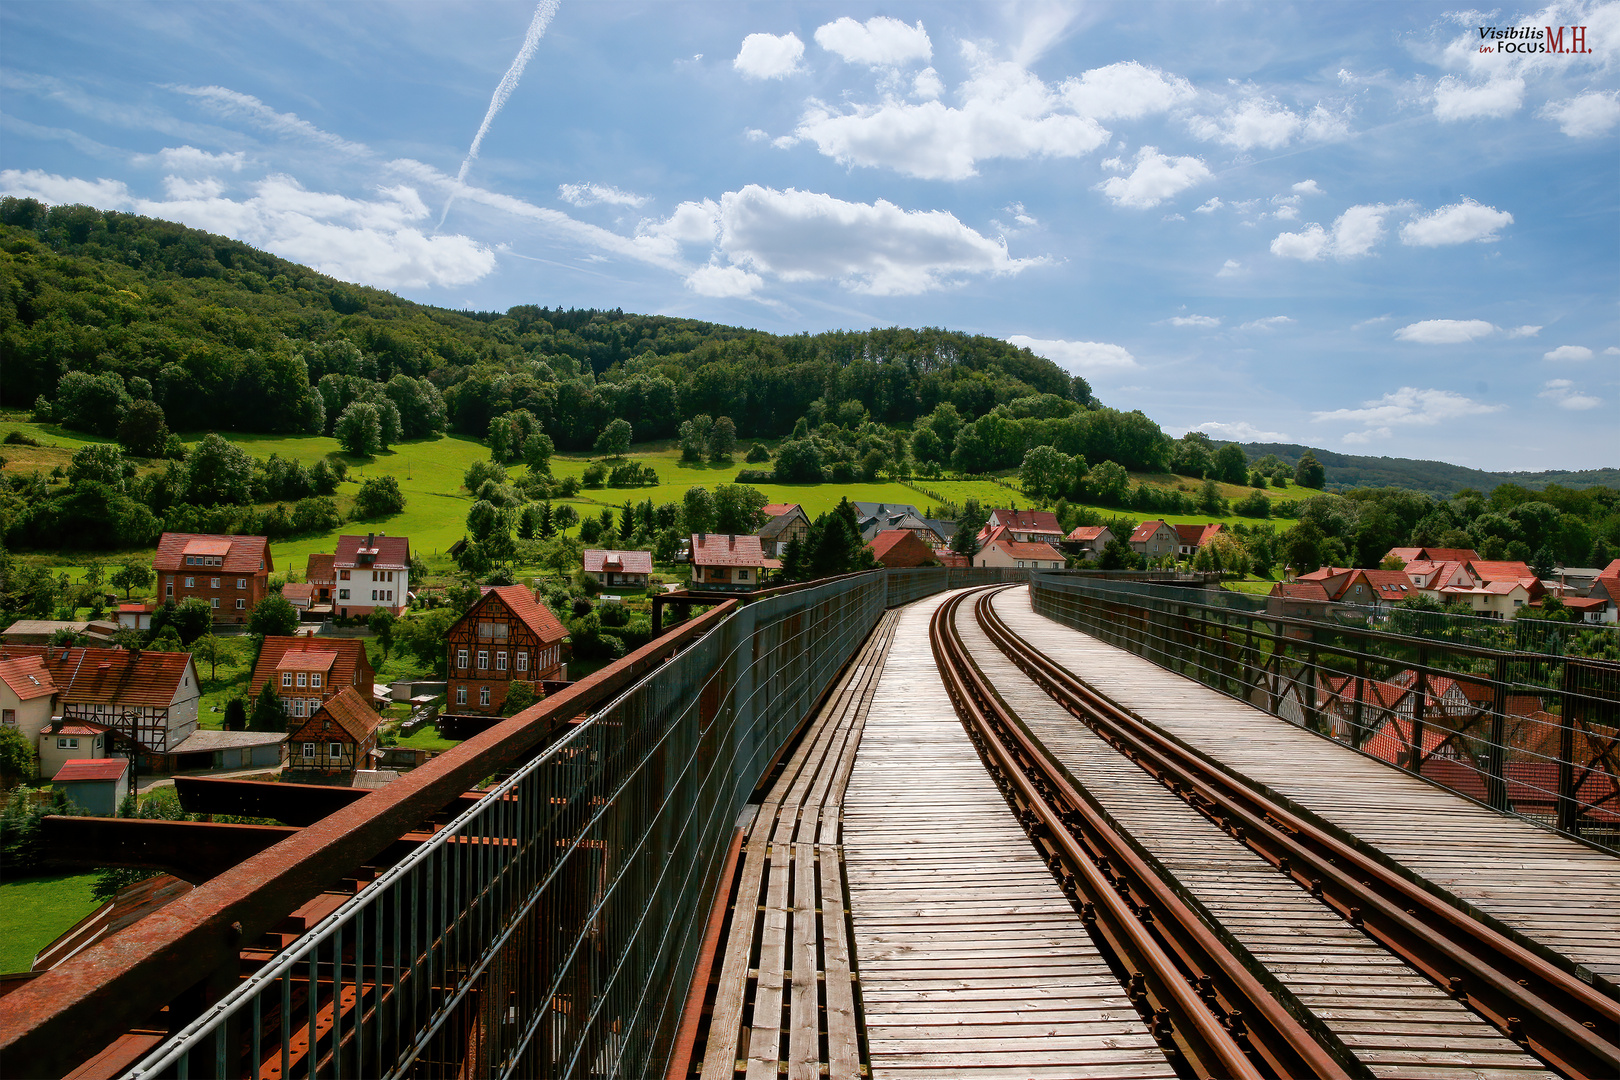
column 36, row 911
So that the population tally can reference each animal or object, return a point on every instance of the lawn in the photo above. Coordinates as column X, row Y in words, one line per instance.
column 1257, row 587
column 36, row 911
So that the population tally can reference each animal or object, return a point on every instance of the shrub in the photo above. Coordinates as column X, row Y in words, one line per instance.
column 756, row 476
column 20, row 438
column 595, row 474
column 379, row 496
column 757, row 453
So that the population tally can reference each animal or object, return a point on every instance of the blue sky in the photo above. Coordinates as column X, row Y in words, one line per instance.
column 1339, row 224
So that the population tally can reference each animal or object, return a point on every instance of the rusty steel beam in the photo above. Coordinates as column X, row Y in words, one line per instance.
column 192, row 850
column 58, row 1020
column 292, row 804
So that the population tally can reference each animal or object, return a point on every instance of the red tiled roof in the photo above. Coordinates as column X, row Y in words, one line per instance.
column 319, row 569
column 1300, row 590
column 306, row 660
column 727, row 549
column 1041, row 521
column 110, row 768
column 241, row 554
column 1145, row 530
column 350, row 653
column 1501, row 571
column 296, row 591
column 27, row 677
column 1039, row 550
column 535, row 615
column 1586, row 603
column 136, row 607
column 1532, row 787
column 1383, row 584
column 1392, row 742
column 390, row 553
column 1196, row 535
column 1087, row 532
column 778, row 509
column 900, row 548
column 349, row 711
column 1451, row 554
column 78, row 727
column 1406, row 555
column 599, row 560
column 1457, row 775
column 106, row 676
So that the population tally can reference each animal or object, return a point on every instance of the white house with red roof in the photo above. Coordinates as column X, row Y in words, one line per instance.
column 1088, row 539
column 1499, row 570
column 615, row 568
column 27, row 694
column 1001, row 548
column 1192, row 537
column 1025, row 526
column 729, row 561
column 1153, row 539
column 373, row 571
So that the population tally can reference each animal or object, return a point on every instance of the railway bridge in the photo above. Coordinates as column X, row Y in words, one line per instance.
column 930, row 823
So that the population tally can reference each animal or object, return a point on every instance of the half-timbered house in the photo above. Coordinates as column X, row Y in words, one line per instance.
column 333, row 741
column 307, row 671
column 507, row 636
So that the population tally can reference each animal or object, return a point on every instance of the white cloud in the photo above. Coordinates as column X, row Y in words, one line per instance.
column 1126, row 90
column 1455, row 99
column 1241, row 431
column 723, row 281
column 1407, row 406
column 766, row 56
column 1270, row 322
column 1020, row 215
column 591, row 194
column 1584, row 117
column 1006, row 112
column 1230, row 268
column 691, row 223
column 1562, row 392
column 756, row 134
column 927, row 85
column 1308, row 187
column 1356, row 232
column 1524, row 331
column 1456, row 224
column 190, row 161
column 1568, row 352
column 1210, row 205
column 876, row 248
column 1078, row 357
column 231, row 103
column 58, row 190
column 1268, row 124
column 1612, row 350
column 178, row 187
column 1205, row 321
column 1155, row 179
column 878, row 42
column 1445, row 331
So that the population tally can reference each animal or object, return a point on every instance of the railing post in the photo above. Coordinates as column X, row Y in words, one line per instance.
column 1419, row 691
column 1360, row 734
column 1569, row 817
column 1313, row 705
column 1496, row 751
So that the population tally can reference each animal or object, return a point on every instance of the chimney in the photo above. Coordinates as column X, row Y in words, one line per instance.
column 703, row 538
column 371, row 540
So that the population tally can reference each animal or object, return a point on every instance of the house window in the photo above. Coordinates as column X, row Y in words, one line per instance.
column 461, row 695
column 373, row 596
column 241, row 583
column 213, row 583
column 343, row 575
column 314, row 705
column 298, row 706
column 390, row 596
column 334, row 751
column 303, row 680
column 315, row 680
column 523, row 661
column 168, row 587
column 343, row 594
column 241, row 605
column 191, row 582
column 213, row 602
column 500, row 660
column 742, row 575
column 67, row 744
column 483, row 695
column 309, row 751
column 461, row 658
column 8, row 716
column 483, row 659
column 286, row 678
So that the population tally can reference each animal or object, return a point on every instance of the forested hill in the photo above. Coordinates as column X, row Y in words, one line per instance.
column 1437, row 478
column 224, row 335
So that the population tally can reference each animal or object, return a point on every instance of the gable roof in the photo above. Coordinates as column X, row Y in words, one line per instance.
column 107, row 768
column 319, row 568
column 1501, row 570
column 531, row 612
column 599, row 560
column 864, row 510
column 1383, row 584
column 110, row 676
column 1087, row 532
column 349, row 711
column 240, row 554
column 1146, row 530
column 307, row 660
column 900, row 548
column 1024, row 549
column 1301, row 590
column 775, row 510
column 727, row 549
column 1406, row 555
column 387, row 552
column 350, row 657
column 1196, row 535
column 1041, row 521
column 27, row 677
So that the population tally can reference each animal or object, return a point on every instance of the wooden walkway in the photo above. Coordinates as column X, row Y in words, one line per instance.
column 786, row 995
column 971, row 961
column 1394, row 1020
column 1549, row 891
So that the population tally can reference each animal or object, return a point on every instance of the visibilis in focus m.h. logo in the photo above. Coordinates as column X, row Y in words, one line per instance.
column 1533, row 39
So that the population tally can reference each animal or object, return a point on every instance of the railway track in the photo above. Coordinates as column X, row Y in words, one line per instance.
column 1207, row 990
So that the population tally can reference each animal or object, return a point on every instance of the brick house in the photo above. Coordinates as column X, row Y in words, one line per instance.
column 1153, row 539
column 305, row 672
column 335, row 740
column 899, row 549
column 618, row 568
column 729, row 561
column 373, row 571
column 507, row 636
column 231, row 573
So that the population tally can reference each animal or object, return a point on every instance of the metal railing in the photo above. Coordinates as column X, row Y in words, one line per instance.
column 1533, row 733
column 551, row 929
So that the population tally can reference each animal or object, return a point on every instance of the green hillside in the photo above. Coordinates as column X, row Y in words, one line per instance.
column 1437, row 478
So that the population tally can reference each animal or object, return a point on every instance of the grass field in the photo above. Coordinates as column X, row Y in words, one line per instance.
column 36, row 911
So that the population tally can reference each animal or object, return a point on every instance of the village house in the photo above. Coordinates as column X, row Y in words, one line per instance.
column 1087, row 541
column 1430, row 576
column 899, row 549
column 729, row 561
column 619, row 568
column 62, row 741
column 507, row 636
column 141, row 699
column 1001, row 549
column 319, row 576
column 1431, row 554
column 304, row 672
column 1155, row 539
column 98, row 786
column 1299, row 600
column 231, row 573
column 1189, row 538
column 333, row 741
column 41, row 631
column 1489, row 599
column 1376, row 589
column 783, row 523
column 1591, row 609
column 300, row 596
column 373, row 572
column 135, row 614
column 1490, row 571
column 1025, row 526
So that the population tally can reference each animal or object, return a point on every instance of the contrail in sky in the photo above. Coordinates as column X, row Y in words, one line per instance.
column 543, row 11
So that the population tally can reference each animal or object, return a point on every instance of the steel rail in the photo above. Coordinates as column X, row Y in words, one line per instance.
column 1573, row 1027
column 1200, row 1000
